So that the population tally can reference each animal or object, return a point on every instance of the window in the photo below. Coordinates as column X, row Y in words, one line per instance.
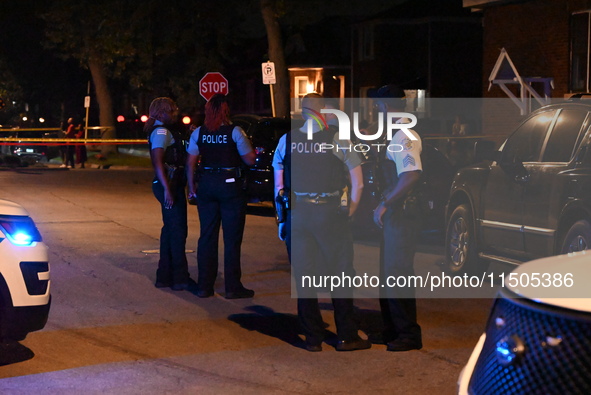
column 525, row 144
column 580, row 40
column 365, row 43
column 561, row 144
column 302, row 87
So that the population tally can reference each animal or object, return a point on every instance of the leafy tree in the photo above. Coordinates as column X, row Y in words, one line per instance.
column 161, row 47
column 281, row 15
column 10, row 91
column 176, row 42
column 164, row 47
column 96, row 33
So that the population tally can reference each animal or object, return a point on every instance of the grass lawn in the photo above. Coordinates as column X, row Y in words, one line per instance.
column 117, row 159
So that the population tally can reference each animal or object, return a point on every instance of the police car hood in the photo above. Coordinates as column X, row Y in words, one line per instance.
column 11, row 208
column 564, row 280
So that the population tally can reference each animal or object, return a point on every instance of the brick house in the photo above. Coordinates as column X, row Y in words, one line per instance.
column 430, row 49
column 546, row 40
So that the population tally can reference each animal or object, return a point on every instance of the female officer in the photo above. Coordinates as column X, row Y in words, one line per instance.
column 221, row 198
column 168, row 159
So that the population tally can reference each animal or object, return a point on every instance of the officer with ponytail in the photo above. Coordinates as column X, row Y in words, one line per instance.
column 223, row 150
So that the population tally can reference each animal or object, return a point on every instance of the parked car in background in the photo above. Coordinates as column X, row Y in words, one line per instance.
column 532, row 199
column 29, row 153
column 538, row 336
column 24, row 274
column 264, row 133
column 434, row 186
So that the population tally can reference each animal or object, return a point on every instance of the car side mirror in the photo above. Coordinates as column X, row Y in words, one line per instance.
column 484, row 150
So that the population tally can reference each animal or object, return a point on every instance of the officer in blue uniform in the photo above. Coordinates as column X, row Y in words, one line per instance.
column 221, row 196
column 398, row 214
column 168, row 154
column 312, row 172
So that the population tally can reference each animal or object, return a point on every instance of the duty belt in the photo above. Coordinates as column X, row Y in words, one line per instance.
column 317, row 198
column 219, row 169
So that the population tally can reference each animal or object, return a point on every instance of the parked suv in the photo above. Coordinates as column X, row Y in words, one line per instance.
column 24, row 274
column 264, row 133
column 533, row 199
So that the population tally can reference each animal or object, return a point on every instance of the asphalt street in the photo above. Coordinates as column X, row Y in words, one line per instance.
column 110, row 331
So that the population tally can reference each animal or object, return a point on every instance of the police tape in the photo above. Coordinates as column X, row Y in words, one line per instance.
column 56, row 142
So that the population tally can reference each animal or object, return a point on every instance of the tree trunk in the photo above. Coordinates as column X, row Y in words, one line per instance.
column 105, row 103
column 276, row 55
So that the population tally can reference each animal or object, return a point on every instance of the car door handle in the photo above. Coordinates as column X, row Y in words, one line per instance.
column 521, row 179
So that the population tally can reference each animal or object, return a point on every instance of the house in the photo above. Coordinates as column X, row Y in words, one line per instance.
column 438, row 54
column 430, row 49
column 545, row 45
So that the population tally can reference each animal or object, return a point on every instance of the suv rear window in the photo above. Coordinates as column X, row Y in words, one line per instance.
column 561, row 144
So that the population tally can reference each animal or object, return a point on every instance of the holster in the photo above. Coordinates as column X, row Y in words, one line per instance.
column 174, row 175
column 282, row 205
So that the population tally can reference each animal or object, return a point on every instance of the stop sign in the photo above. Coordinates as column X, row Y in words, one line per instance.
column 211, row 84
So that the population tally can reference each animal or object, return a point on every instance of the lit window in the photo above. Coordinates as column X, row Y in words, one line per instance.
column 580, row 40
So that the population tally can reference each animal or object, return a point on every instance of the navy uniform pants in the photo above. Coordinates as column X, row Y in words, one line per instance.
column 220, row 202
column 172, row 266
column 398, row 305
column 318, row 245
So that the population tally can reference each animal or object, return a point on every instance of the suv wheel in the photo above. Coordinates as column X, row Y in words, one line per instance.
column 578, row 237
column 460, row 242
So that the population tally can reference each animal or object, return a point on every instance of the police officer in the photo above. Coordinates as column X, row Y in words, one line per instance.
column 398, row 214
column 221, row 196
column 168, row 159
column 312, row 173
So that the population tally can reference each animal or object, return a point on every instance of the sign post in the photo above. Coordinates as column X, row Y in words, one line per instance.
column 211, row 84
column 269, row 78
column 87, row 107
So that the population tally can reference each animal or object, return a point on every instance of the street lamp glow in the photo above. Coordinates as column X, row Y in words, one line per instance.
column 144, row 118
column 186, row 120
column 41, row 120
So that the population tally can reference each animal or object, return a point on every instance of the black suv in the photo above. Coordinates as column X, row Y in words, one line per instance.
column 264, row 133
column 531, row 199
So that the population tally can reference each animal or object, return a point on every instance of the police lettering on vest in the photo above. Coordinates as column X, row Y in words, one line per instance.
column 312, row 167
column 308, row 147
column 214, row 139
column 218, row 149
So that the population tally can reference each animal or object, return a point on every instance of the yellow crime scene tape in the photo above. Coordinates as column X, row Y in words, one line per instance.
column 61, row 140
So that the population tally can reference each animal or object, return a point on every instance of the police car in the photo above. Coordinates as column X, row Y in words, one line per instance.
column 538, row 336
column 24, row 274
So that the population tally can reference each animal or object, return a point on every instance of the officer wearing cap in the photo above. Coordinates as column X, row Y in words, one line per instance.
column 398, row 215
column 311, row 170
column 220, row 195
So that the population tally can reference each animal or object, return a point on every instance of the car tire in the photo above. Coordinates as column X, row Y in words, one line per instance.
column 578, row 237
column 461, row 252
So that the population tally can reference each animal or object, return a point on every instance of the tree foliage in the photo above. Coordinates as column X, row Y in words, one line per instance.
column 160, row 47
column 10, row 92
column 153, row 46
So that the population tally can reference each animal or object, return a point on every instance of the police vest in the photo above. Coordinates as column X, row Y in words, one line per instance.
column 218, row 149
column 311, row 167
column 175, row 154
